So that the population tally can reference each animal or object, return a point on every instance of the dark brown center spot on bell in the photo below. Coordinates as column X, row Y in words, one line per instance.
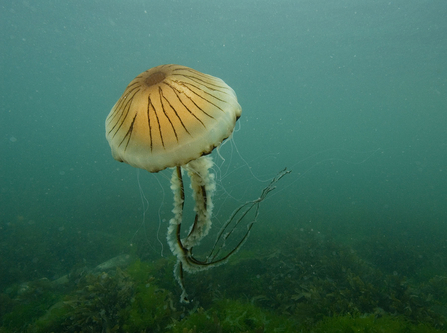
column 155, row 78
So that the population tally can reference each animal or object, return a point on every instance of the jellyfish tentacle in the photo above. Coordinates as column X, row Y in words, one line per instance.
column 182, row 248
column 178, row 274
column 242, row 210
column 202, row 183
column 180, row 179
column 178, row 170
column 203, row 186
column 173, row 236
column 194, row 228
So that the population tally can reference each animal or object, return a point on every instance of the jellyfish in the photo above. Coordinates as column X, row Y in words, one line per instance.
column 172, row 116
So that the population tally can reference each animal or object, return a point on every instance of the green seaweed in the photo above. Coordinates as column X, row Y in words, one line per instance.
column 307, row 283
column 95, row 306
column 370, row 324
column 151, row 309
column 25, row 303
column 234, row 316
column 311, row 277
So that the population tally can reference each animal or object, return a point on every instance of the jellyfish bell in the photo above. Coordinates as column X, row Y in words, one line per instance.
column 173, row 116
column 169, row 116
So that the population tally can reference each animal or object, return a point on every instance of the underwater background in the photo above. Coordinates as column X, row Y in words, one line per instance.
column 351, row 96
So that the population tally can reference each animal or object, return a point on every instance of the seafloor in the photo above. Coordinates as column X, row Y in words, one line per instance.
column 303, row 281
